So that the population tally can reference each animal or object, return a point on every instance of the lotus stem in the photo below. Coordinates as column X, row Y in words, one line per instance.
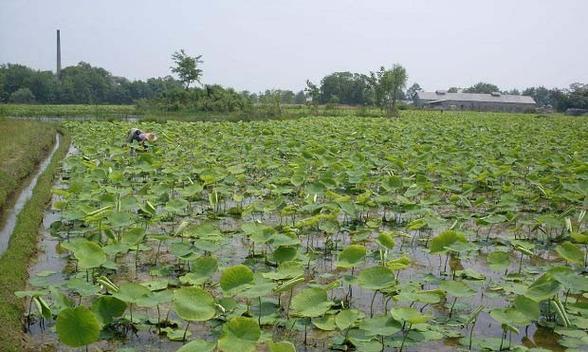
column 305, row 328
column 452, row 305
column 404, row 337
column 186, row 331
column 158, row 321
column 472, row 333
column 372, row 303
column 259, row 316
column 502, row 339
column 289, row 302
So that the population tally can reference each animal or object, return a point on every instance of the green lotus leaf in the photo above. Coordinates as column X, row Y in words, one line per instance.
column 120, row 219
column 347, row 318
column 202, row 270
column 326, row 322
column 284, row 254
column 498, row 260
column 509, row 317
column 77, row 327
column 311, row 303
column 133, row 237
column 398, row 263
column 351, row 256
column 569, row 278
column 528, row 307
column 177, row 205
column 236, row 278
column 441, row 242
column 284, row 346
column 89, row 254
column 132, row 293
column 570, row 252
column 82, row 287
column 428, row 296
column 106, row 308
column 285, row 271
column 259, row 233
column 376, row 278
column 239, row 333
column 580, row 237
column 259, row 288
column 545, row 287
column 380, row 326
column 409, row 315
column 456, row 288
column 386, row 240
column 194, row 304
column 197, row 346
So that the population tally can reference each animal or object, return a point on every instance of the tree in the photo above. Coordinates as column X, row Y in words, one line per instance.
column 22, row 96
column 287, row 96
column 512, row 92
column 345, row 88
column 453, row 90
column 482, row 88
column 313, row 92
column 411, row 93
column 186, row 67
column 388, row 86
column 541, row 95
column 300, row 98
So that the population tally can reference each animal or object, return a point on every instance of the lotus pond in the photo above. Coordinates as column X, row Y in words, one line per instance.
column 454, row 231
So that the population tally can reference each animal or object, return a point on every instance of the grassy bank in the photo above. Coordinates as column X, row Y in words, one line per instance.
column 259, row 112
column 24, row 145
column 22, row 247
column 33, row 110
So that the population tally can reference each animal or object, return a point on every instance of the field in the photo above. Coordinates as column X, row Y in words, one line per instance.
column 94, row 111
column 24, row 144
column 112, row 112
column 431, row 231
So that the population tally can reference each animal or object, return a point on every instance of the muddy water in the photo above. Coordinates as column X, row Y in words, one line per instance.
column 23, row 198
column 236, row 249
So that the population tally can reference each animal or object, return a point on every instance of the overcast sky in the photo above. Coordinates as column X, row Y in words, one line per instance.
column 255, row 44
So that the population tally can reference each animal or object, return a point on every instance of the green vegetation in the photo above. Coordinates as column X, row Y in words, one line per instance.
column 23, row 244
column 24, row 144
column 334, row 232
column 91, row 111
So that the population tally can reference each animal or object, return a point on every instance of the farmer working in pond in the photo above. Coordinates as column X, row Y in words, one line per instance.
column 141, row 137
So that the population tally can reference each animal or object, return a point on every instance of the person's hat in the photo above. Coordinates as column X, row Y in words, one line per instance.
column 151, row 137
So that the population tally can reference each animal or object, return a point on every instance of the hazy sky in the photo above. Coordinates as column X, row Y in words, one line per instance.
column 254, row 44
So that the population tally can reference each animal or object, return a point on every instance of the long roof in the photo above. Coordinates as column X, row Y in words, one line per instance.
column 502, row 98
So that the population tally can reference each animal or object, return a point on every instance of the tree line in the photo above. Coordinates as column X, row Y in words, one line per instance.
column 87, row 84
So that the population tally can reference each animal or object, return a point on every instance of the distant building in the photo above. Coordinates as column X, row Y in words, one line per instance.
column 471, row 101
